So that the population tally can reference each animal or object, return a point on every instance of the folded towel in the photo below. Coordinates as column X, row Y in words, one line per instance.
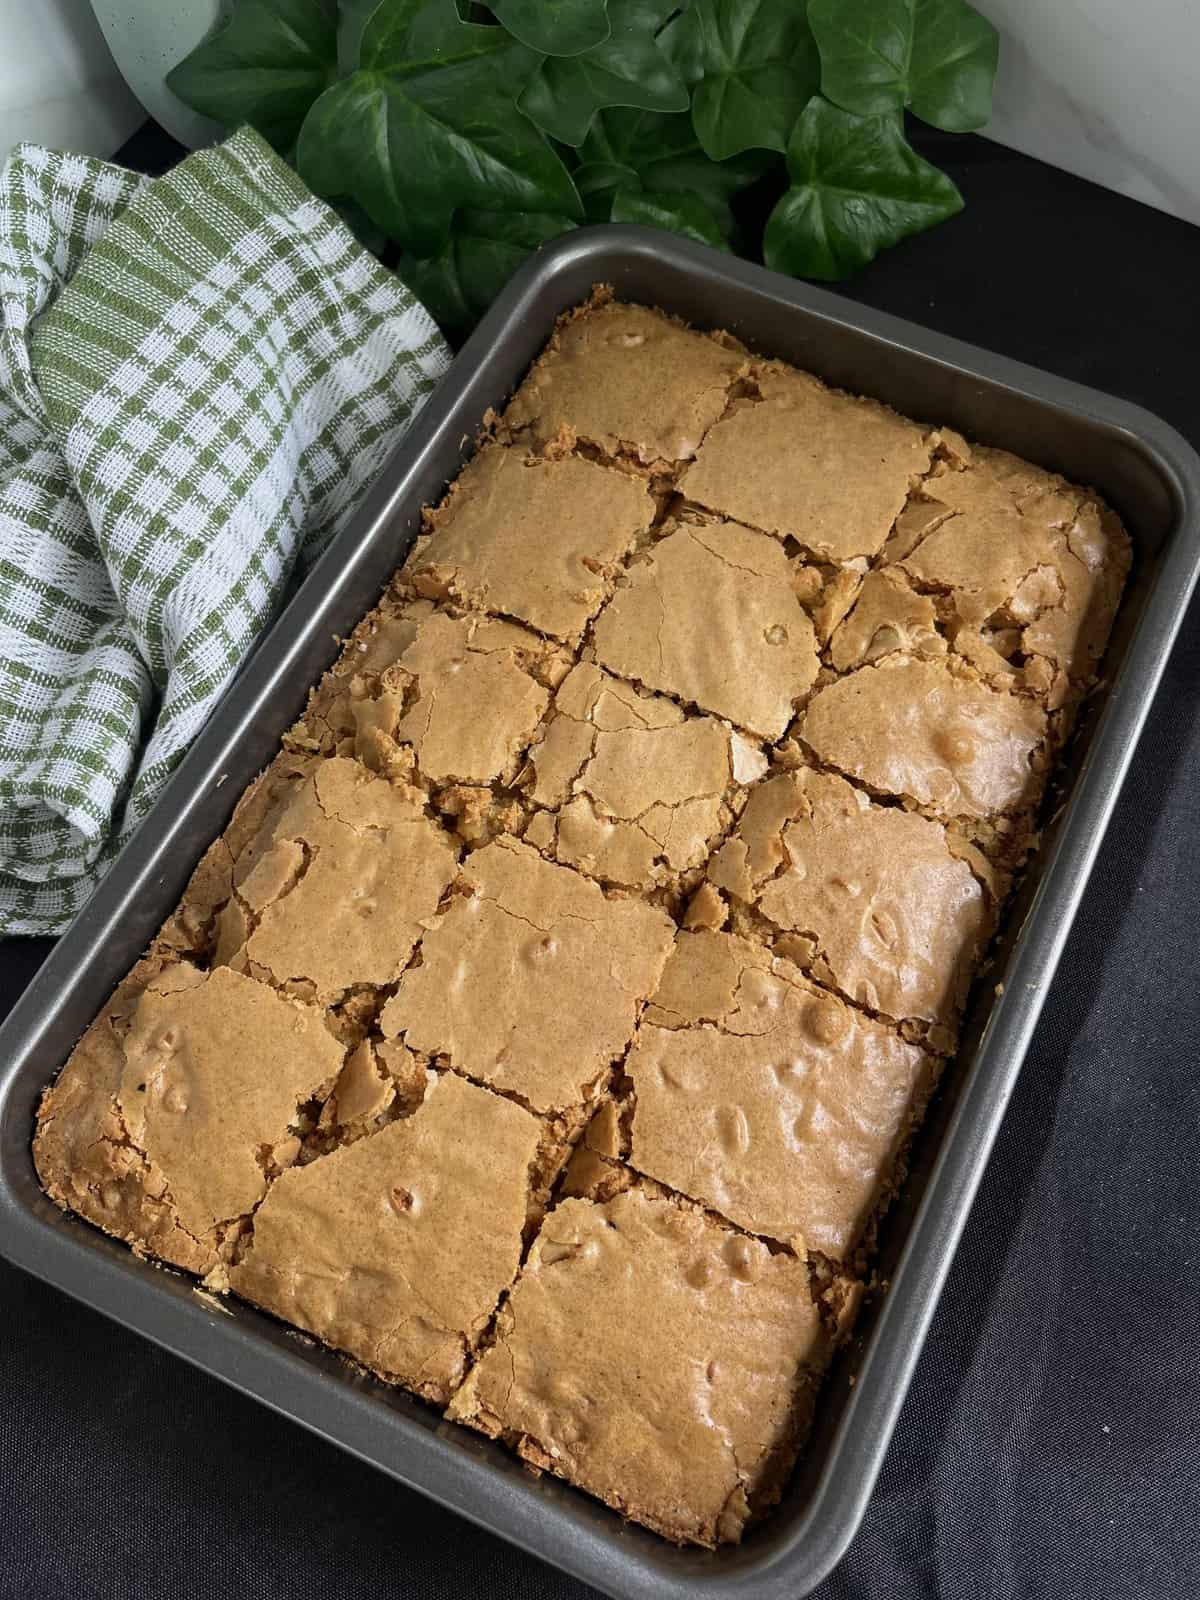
column 200, row 374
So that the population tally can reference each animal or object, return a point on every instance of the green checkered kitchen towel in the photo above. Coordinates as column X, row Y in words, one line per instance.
column 199, row 376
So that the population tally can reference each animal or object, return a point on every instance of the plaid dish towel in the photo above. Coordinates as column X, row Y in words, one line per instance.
column 199, row 376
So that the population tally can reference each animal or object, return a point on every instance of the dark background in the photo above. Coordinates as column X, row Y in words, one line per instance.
column 1050, row 1444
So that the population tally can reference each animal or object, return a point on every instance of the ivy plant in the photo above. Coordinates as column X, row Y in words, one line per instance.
column 456, row 137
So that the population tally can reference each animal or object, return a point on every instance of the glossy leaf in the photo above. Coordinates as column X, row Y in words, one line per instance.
column 353, row 17
column 682, row 44
column 427, row 124
column 364, row 230
column 554, row 27
column 461, row 281
column 937, row 56
column 660, row 155
column 603, row 178
column 857, row 187
column 266, row 66
column 754, row 65
column 955, row 55
column 627, row 69
column 677, row 211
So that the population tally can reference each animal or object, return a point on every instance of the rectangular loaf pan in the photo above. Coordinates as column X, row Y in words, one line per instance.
column 1139, row 464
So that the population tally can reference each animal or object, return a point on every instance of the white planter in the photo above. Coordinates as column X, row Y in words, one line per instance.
column 58, row 83
column 148, row 38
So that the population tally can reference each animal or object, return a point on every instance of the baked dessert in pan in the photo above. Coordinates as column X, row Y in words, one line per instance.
column 548, row 1027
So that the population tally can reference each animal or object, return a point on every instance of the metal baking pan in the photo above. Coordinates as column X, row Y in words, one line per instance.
column 1139, row 464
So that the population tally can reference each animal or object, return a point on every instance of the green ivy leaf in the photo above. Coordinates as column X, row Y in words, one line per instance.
column 266, row 66
column 754, row 65
column 857, row 187
column 660, row 155
column 678, row 212
column 555, row 27
column 597, row 182
column 955, row 55
column 364, row 230
column 628, row 69
column 353, row 16
column 683, row 45
column 475, row 263
column 427, row 124
column 937, row 56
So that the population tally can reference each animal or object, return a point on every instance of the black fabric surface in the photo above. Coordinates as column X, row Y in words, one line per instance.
column 1050, row 1444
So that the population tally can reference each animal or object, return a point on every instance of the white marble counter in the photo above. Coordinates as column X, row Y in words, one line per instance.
column 1109, row 89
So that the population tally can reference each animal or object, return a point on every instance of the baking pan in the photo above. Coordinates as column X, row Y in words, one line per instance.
column 1140, row 465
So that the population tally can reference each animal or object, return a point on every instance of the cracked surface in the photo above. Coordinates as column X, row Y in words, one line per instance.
column 380, row 1081
column 691, row 634
column 190, row 929
column 894, row 914
column 1027, row 570
column 829, row 470
column 683, row 1402
column 888, row 616
column 412, row 709
column 532, row 980
column 827, row 591
column 930, row 733
column 82, row 1150
column 634, row 792
column 532, row 538
column 397, row 1249
column 334, row 890
column 765, row 1098
column 202, row 1077
column 713, row 581
column 365, row 668
column 629, row 381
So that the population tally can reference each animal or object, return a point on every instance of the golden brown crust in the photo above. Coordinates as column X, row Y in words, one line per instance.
column 696, row 1329
column 629, row 381
column 178, row 1103
column 410, row 710
column 531, row 980
column 894, row 914
column 533, row 538
column 1017, row 570
column 548, row 1027
column 931, row 734
column 802, row 461
column 630, row 789
column 397, row 1249
column 706, row 580
column 333, row 894
column 765, row 1098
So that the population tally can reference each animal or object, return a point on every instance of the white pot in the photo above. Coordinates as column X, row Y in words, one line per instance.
column 58, row 83
column 148, row 38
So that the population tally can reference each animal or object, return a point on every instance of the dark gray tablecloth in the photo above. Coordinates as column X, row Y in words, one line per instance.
column 1050, row 1445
